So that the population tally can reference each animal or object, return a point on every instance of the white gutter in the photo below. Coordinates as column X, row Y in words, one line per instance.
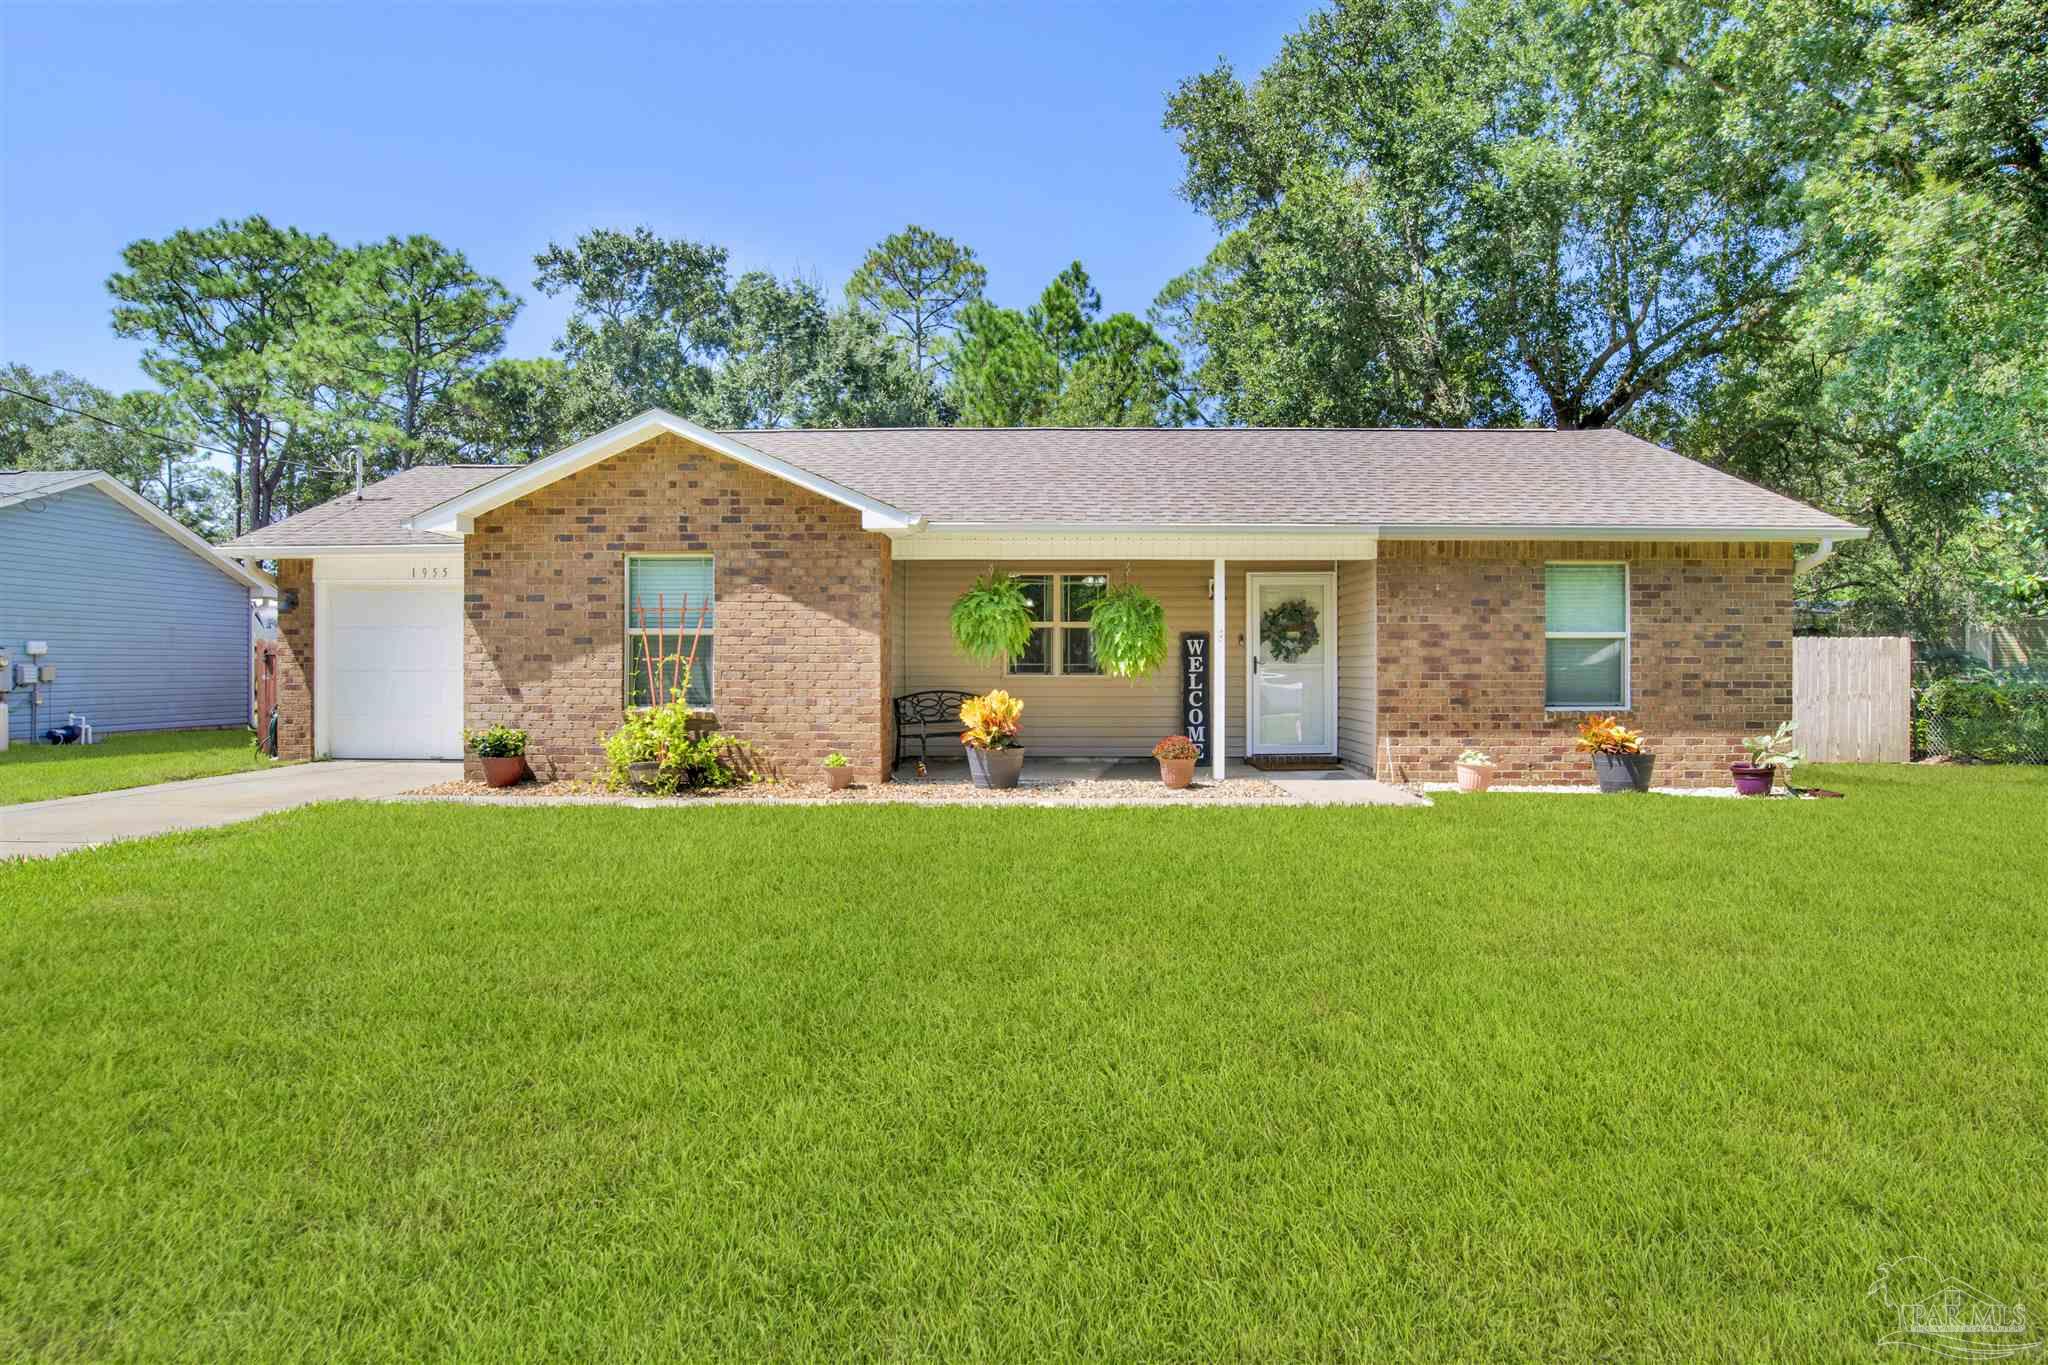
column 239, row 551
column 1818, row 557
column 1407, row 531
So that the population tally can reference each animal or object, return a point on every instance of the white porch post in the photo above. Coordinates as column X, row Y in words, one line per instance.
column 1219, row 655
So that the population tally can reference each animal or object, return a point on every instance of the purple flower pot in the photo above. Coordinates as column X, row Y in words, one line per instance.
column 1751, row 780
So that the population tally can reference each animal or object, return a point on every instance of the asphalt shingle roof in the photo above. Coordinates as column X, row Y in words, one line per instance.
column 1290, row 476
column 1384, row 480
column 378, row 516
column 13, row 481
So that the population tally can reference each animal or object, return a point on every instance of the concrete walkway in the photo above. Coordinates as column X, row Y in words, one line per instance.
column 40, row 829
column 1341, row 787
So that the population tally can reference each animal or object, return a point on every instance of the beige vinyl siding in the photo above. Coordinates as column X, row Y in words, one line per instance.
column 1096, row 716
column 1357, row 658
column 899, row 632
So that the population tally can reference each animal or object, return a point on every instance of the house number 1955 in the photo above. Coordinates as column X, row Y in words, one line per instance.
column 430, row 571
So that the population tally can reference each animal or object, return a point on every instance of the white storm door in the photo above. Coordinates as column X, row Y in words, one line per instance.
column 1291, row 641
column 395, row 672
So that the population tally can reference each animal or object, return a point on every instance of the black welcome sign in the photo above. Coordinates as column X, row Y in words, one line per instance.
column 1194, row 688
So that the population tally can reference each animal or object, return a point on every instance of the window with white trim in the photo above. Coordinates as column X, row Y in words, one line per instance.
column 1585, row 637
column 1062, row 640
column 670, row 609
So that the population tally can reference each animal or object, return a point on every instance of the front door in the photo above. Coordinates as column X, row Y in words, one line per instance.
column 1291, row 638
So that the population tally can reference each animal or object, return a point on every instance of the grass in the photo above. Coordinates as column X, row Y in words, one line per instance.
column 40, row 772
column 1518, row 1077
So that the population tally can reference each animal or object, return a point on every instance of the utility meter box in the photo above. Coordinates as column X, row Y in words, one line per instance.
column 46, row 673
column 24, row 675
column 37, row 648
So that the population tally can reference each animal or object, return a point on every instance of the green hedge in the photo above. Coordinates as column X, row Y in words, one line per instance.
column 1999, row 717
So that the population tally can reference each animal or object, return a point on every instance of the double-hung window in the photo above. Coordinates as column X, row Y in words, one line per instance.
column 1585, row 637
column 670, row 599
column 1062, row 640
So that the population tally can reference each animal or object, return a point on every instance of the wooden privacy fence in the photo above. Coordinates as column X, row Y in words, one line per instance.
column 1853, row 698
column 262, row 685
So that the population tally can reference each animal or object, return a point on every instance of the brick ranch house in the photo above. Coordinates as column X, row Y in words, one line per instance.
column 1484, row 587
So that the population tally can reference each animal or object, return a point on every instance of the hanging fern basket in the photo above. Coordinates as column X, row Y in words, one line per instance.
column 1130, row 632
column 992, row 620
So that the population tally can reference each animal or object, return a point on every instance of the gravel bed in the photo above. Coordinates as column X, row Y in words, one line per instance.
column 1079, row 792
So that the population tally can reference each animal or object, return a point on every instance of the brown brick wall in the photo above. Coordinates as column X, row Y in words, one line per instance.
column 801, row 659
column 295, row 661
column 1461, row 655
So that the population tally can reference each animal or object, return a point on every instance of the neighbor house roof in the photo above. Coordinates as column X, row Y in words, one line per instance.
column 1393, row 483
column 25, row 486
column 374, row 519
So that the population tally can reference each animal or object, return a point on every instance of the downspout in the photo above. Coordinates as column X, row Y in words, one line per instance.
column 1817, row 558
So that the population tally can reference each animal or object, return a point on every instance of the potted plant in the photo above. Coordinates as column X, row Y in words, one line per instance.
column 1618, row 758
column 1130, row 632
column 838, row 773
column 992, row 620
column 994, row 756
column 1767, row 754
column 503, row 751
column 1177, row 755
column 1475, row 771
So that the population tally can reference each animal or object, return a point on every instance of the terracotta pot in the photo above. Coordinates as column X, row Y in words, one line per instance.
column 840, row 778
column 504, row 772
column 1176, row 773
column 1623, row 772
column 1751, row 780
column 996, row 769
column 1474, row 777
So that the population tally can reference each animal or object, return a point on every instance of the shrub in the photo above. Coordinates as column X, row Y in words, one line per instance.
column 1130, row 632
column 1607, row 735
column 1476, row 758
column 992, row 721
column 661, row 735
column 992, row 620
column 835, row 760
column 500, row 741
column 1176, row 747
column 1775, row 750
column 1999, row 717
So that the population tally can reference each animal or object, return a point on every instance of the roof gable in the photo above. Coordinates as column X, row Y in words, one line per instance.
column 456, row 515
column 17, row 488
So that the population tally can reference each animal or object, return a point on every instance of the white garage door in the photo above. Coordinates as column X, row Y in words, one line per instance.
column 394, row 672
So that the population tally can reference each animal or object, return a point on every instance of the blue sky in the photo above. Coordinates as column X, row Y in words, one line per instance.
column 794, row 135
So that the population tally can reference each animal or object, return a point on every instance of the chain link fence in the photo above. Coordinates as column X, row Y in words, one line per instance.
column 1999, row 718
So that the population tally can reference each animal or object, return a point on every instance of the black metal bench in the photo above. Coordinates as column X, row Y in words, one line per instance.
column 924, row 714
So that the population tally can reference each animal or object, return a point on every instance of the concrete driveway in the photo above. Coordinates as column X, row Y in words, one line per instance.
column 40, row 829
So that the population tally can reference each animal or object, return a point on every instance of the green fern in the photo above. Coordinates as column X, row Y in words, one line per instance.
column 1130, row 632
column 992, row 619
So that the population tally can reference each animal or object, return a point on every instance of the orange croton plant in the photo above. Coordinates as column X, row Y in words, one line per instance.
column 1607, row 735
column 992, row 721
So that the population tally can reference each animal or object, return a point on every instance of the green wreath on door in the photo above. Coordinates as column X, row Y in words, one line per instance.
column 1288, row 630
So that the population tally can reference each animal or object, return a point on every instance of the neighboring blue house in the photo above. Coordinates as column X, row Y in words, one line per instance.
column 147, row 627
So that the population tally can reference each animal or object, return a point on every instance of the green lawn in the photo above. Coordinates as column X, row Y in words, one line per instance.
column 38, row 772
column 1558, row 1078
